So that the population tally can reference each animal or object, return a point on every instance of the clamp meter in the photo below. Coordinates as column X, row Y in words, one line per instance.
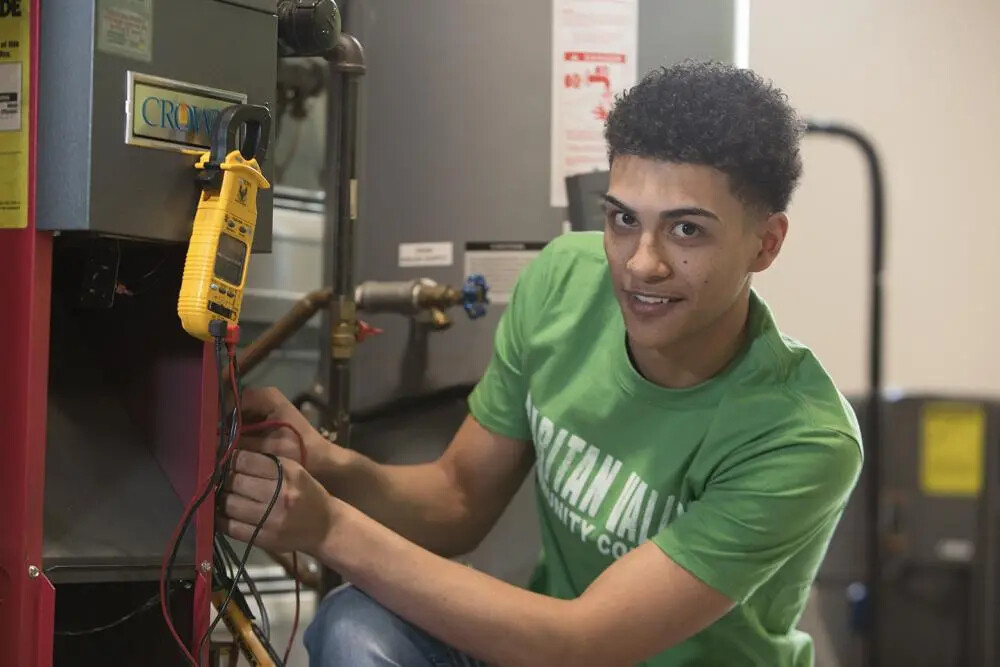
column 217, row 257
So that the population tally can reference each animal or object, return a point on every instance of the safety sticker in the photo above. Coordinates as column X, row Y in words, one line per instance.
column 15, row 78
column 952, row 449
column 413, row 255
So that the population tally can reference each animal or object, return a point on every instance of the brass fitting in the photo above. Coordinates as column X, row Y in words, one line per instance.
column 343, row 335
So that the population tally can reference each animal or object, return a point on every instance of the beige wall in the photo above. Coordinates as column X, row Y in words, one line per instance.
column 922, row 78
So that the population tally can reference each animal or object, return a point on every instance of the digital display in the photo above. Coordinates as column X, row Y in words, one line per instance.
column 229, row 259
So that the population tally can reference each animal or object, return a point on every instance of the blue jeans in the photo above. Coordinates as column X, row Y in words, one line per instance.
column 351, row 629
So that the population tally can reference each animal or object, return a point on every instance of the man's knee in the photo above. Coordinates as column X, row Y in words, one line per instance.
column 350, row 628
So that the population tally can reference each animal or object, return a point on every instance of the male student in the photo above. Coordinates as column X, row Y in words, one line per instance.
column 691, row 462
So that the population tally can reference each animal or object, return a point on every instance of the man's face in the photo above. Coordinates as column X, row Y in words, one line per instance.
column 681, row 248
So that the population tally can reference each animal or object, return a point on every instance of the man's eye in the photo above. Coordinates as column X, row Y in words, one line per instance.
column 621, row 218
column 686, row 230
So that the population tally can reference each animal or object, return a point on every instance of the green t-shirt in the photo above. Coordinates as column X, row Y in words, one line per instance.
column 741, row 480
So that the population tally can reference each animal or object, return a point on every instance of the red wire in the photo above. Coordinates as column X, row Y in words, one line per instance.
column 163, row 579
column 261, row 426
column 240, row 430
column 295, row 620
column 184, row 517
column 264, row 426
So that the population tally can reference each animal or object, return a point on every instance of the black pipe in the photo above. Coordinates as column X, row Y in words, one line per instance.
column 346, row 67
column 396, row 408
column 872, row 429
column 339, row 383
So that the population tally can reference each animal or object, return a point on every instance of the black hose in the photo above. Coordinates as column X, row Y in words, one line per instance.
column 396, row 407
column 872, row 428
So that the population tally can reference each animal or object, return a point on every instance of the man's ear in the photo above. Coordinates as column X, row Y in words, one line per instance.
column 771, row 234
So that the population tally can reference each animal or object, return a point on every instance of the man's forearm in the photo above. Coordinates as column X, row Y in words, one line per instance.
column 420, row 502
column 483, row 616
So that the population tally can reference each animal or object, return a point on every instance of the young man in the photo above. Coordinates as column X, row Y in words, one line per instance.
column 691, row 462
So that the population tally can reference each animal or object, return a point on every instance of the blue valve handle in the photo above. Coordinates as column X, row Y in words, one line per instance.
column 474, row 296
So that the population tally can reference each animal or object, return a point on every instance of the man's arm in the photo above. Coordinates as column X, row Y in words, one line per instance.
column 641, row 605
column 755, row 514
column 447, row 506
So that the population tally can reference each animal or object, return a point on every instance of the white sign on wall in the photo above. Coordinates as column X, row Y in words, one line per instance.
column 413, row 255
column 594, row 46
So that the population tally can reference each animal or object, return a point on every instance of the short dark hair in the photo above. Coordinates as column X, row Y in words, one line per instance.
column 717, row 115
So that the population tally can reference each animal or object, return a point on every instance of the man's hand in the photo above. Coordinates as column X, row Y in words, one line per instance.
column 302, row 514
column 269, row 404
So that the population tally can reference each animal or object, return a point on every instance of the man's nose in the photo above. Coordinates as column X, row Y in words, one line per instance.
column 648, row 263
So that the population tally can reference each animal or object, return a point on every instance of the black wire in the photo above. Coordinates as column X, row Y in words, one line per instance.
column 221, row 571
column 230, row 555
column 155, row 598
column 223, row 558
column 223, row 549
column 214, row 480
column 246, row 554
column 107, row 626
column 180, row 537
column 220, row 371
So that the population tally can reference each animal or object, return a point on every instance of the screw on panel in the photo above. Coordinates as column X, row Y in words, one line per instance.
column 206, row 567
column 33, row 571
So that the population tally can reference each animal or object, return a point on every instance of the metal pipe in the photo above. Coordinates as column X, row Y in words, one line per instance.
column 284, row 328
column 347, row 66
column 988, row 556
column 405, row 297
column 392, row 296
column 401, row 298
column 350, row 65
column 872, row 430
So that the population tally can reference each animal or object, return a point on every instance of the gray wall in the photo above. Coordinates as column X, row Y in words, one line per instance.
column 456, row 148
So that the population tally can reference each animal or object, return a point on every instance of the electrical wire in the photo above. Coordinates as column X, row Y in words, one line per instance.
column 148, row 604
column 227, row 553
column 295, row 619
column 168, row 562
column 229, row 435
column 223, row 454
column 246, row 552
column 264, row 426
column 230, row 556
column 268, row 425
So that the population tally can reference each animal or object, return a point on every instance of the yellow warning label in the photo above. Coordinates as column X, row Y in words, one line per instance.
column 952, row 449
column 15, row 117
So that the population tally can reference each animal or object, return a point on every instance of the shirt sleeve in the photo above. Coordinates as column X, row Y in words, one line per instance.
column 498, row 401
column 762, row 509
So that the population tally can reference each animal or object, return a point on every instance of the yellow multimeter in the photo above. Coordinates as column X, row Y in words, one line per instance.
column 217, row 257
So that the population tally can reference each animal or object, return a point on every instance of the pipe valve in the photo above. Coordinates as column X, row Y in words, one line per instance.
column 474, row 296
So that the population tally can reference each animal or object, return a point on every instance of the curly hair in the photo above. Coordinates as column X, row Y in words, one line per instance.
column 717, row 115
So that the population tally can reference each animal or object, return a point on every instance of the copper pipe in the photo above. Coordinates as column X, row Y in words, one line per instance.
column 283, row 329
column 390, row 298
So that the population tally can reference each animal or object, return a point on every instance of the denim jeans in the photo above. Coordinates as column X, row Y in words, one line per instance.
column 351, row 629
